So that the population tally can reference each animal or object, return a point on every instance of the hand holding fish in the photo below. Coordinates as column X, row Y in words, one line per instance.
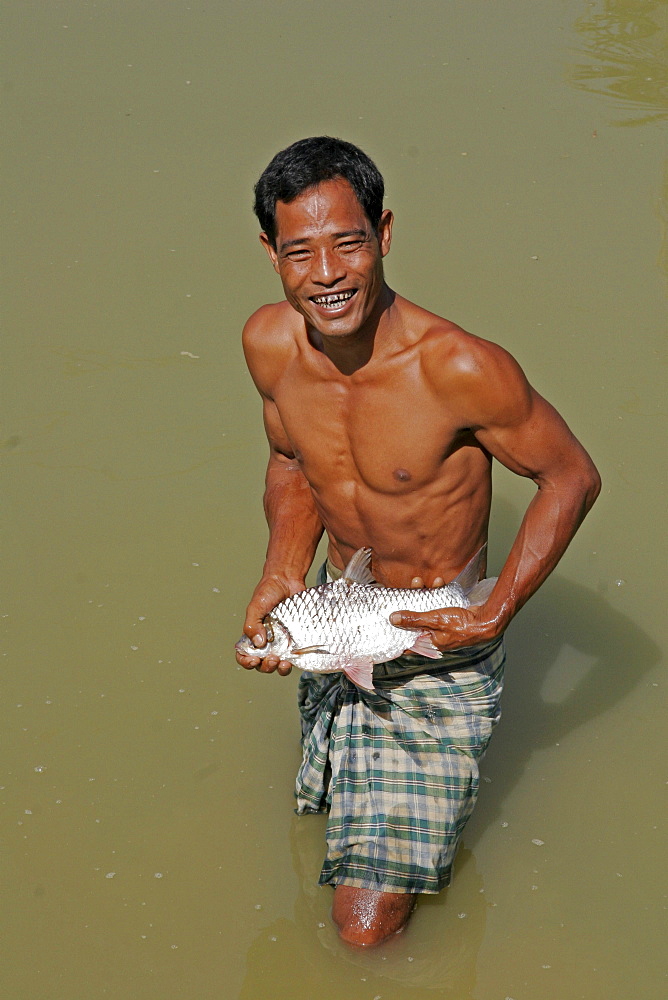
column 270, row 591
column 345, row 625
column 451, row 628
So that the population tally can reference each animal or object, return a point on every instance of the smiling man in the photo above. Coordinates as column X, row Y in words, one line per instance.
column 383, row 421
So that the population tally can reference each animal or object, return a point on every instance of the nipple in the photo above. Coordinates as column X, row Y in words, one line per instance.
column 402, row 475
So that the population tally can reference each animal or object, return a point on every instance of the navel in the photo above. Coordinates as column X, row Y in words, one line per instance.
column 402, row 475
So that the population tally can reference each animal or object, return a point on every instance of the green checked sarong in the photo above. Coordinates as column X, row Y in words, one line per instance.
column 397, row 769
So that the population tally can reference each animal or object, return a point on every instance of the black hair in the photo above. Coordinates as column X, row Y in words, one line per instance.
column 309, row 162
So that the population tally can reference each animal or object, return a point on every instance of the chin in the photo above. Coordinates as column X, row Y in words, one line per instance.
column 344, row 326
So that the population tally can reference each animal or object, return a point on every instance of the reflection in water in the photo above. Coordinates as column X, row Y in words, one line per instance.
column 572, row 659
column 310, row 943
column 625, row 46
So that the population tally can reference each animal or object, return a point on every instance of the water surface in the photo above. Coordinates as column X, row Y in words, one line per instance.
column 150, row 846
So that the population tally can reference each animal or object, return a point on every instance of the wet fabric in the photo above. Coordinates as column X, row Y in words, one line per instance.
column 397, row 769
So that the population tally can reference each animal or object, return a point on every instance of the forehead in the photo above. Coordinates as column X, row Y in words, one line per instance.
column 328, row 208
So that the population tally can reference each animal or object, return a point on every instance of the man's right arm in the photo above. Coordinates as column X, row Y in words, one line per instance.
column 295, row 527
column 294, row 532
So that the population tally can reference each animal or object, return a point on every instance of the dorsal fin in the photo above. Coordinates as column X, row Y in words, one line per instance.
column 470, row 575
column 358, row 569
column 478, row 595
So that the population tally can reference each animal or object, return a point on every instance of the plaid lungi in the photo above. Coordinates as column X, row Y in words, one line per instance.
column 397, row 769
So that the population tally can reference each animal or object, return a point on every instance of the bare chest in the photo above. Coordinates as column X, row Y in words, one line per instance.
column 389, row 434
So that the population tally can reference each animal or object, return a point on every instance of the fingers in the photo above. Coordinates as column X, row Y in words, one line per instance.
column 412, row 619
column 264, row 666
column 248, row 661
column 417, row 583
column 273, row 663
column 448, row 628
column 435, row 621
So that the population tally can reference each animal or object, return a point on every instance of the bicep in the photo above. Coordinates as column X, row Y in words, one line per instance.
column 280, row 447
column 530, row 438
column 266, row 360
column 516, row 425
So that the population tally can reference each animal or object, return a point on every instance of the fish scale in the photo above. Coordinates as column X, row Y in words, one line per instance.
column 344, row 625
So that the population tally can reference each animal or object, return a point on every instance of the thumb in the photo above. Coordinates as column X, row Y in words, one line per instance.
column 254, row 629
column 410, row 619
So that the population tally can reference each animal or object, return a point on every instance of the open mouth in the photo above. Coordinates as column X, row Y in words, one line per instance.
column 333, row 300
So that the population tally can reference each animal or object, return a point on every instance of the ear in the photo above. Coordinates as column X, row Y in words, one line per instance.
column 271, row 250
column 385, row 232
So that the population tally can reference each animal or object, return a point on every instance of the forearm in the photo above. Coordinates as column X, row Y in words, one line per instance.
column 295, row 527
column 294, row 532
column 549, row 524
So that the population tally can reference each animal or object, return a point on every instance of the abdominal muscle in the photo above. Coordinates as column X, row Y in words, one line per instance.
column 429, row 531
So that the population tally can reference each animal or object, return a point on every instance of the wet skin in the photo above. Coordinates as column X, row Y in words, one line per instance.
column 382, row 421
column 366, row 917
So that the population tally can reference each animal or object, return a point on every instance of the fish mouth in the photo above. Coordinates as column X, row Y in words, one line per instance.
column 245, row 646
column 333, row 301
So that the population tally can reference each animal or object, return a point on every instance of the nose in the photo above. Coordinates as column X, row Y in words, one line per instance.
column 327, row 268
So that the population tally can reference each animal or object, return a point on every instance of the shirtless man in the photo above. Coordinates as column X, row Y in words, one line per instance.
column 383, row 420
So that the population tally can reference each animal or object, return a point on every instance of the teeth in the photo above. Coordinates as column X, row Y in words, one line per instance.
column 333, row 300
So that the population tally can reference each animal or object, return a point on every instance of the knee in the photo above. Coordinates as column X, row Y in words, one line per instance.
column 366, row 918
column 363, row 937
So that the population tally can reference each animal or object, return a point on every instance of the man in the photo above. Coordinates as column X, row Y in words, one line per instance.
column 383, row 420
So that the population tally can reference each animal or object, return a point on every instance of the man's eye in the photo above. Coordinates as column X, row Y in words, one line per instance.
column 297, row 255
column 350, row 245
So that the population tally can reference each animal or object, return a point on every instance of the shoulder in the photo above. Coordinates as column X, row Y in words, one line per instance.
column 481, row 378
column 269, row 340
column 268, row 325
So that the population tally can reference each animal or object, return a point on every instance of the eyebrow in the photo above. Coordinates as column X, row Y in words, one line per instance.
column 337, row 236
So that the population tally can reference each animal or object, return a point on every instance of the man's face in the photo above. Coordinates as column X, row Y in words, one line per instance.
column 329, row 257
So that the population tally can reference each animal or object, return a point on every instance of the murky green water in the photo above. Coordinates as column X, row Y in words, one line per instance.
column 150, row 849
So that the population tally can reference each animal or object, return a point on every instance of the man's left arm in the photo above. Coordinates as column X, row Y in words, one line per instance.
column 527, row 435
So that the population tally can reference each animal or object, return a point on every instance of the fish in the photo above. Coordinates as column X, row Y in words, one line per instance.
column 344, row 625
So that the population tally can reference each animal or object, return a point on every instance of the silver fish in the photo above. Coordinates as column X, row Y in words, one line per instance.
column 345, row 625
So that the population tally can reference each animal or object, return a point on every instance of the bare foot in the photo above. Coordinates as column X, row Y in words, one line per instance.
column 365, row 917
